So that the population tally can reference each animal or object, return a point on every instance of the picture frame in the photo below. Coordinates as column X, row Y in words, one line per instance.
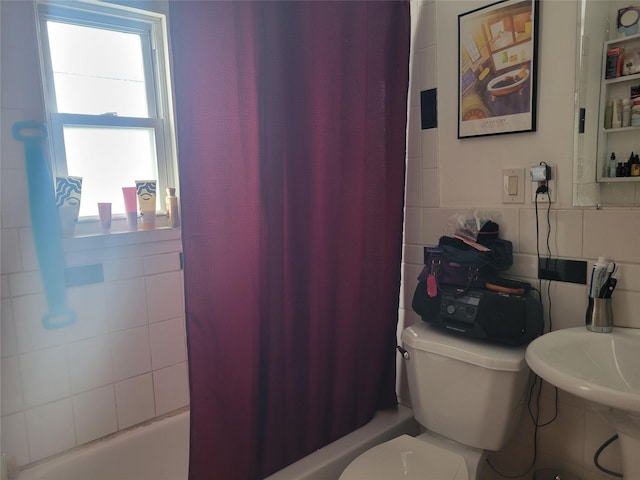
column 497, row 69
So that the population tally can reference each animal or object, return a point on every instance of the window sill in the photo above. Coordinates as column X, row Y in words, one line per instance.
column 88, row 235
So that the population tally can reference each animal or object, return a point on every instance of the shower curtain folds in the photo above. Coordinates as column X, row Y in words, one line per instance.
column 291, row 130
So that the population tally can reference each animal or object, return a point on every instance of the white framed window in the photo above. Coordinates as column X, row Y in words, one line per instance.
column 107, row 91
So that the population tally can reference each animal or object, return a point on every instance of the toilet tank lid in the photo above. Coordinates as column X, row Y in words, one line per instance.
column 422, row 336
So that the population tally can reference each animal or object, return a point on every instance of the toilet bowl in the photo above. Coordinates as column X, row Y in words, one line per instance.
column 468, row 396
column 416, row 458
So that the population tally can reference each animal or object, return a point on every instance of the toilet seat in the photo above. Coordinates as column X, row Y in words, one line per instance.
column 407, row 458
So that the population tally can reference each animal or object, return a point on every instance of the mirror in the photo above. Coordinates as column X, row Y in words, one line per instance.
column 600, row 21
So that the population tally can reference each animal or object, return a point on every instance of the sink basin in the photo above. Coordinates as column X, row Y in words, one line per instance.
column 603, row 368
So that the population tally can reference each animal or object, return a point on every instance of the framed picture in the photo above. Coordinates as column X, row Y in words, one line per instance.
column 497, row 69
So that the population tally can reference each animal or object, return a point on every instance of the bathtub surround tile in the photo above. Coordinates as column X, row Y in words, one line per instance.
column 126, row 304
column 122, row 268
column 4, row 286
column 89, row 303
column 14, row 440
column 13, row 185
column 425, row 33
column 165, row 299
column 28, row 250
column 413, row 185
column 413, row 140
column 27, row 314
column 167, row 262
column 90, row 364
column 25, row 283
column 29, row 357
column 430, row 188
column 10, row 253
column 45, row 376
column 95, row 414
column 8, row 338
column 48, row 429
column 168, row 340
column 429, row 147
column 12, row 400
column 163, row 246
column 134, row 400
column 171, row 388
column 413, row 225
column 130, row 352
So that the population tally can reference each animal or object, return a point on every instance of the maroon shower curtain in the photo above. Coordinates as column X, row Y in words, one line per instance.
column 291, row 133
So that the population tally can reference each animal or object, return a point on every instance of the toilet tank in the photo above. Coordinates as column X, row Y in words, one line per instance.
column 466, row 390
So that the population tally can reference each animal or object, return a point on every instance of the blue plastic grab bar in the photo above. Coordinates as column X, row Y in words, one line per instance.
column 47, row 233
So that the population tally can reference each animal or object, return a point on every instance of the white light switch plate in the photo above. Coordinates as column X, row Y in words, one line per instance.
column 513, row 185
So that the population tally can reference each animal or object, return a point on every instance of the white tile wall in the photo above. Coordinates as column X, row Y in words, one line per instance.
column 165, row 297
column 168, row 343
column 124, row 360
column 12, row 400
column 45, row 375
column 9, row 345
column 14, row 439
column 135, row 400
column 90, row 363
column 171, row 388
column 131, row 352
column 95, row 414
column 127, row 305
column 27, row 314
column 48, row 429
column 468, row 175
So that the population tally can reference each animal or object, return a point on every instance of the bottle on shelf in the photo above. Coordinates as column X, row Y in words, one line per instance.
column 616, row 115
column 173, row 214
column 608, row 114
column 612, row 165
column 634, row 165
column 626, row 112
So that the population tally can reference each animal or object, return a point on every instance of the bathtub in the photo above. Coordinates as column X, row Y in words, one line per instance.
column 160, row 451
column 157, row 451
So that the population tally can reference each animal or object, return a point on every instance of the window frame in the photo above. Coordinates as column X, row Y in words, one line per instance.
column 151, row 26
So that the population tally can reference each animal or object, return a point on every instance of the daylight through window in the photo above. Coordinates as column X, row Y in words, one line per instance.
column 106, row 87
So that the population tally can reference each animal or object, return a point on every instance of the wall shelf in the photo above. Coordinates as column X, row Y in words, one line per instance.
column 622, row 140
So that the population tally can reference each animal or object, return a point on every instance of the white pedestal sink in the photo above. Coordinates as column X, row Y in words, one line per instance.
column 603, row 368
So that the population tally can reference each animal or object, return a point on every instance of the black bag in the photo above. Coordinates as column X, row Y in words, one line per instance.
column 454, row 262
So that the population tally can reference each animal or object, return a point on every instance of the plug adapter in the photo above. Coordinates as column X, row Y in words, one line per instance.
column 540, row 173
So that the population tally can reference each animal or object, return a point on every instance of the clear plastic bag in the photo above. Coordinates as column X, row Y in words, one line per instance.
column 468, row 223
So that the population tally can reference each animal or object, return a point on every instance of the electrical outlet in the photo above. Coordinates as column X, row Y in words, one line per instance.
column 551, row 195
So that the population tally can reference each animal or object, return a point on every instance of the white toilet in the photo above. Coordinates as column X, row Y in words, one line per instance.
column 468, row 396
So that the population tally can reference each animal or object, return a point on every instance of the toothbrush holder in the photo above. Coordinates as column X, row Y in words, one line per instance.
column 599, row 317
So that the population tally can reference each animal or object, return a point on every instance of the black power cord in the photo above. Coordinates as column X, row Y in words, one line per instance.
column 597, row 456
column 537, row 381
